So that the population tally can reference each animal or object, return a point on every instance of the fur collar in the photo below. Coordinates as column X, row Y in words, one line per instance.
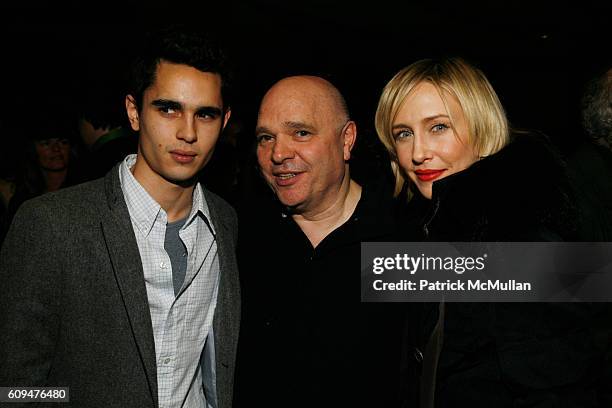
column 521, row 193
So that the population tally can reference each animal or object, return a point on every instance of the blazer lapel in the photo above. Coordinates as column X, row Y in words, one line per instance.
column 127, row 266
column 227, row 312
column 223, row 247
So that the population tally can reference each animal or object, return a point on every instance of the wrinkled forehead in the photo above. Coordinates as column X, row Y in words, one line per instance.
column 289, row 106
column 297, row 105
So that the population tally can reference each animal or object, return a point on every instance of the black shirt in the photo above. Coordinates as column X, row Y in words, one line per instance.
column 307, row 340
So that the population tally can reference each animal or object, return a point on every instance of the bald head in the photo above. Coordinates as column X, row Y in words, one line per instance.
column 314, row 92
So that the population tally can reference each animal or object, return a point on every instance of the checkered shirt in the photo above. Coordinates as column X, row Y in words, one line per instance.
column 181, row 323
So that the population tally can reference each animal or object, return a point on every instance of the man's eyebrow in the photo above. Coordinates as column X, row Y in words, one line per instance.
column 288, row 124
column 202, row 110
column 167, row 103
column 209, row 110
column 298, row 125
column 262, row 129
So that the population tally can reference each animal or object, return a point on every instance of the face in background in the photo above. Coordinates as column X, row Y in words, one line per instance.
column 179, row 122
column 304, row 140
column 53, row 154
column 429, row 146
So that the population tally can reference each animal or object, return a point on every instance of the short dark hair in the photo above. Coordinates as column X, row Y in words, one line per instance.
column 178, row 44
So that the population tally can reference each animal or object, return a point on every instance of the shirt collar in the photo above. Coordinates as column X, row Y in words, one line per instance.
column 199, row 206
column 144, row 210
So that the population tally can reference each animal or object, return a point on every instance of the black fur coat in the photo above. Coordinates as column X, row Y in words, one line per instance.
column 510, row 354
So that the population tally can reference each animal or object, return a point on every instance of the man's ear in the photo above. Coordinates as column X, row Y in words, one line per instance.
column 226, row 116
column 132, row 112
column 349, row 133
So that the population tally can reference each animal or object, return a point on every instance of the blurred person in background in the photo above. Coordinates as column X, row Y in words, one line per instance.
column 49, row 162
column 590, row 163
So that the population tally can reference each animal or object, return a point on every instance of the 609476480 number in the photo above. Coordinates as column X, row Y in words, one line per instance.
column 34, row 394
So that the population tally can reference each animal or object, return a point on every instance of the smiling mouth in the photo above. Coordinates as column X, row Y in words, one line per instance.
column 286, row 179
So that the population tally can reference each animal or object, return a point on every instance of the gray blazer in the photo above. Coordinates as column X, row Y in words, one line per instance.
column 74, row 309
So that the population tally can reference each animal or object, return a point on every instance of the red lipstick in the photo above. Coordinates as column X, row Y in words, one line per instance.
column 428, row 175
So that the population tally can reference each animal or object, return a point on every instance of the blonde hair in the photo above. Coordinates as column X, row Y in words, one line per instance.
column 485, row 117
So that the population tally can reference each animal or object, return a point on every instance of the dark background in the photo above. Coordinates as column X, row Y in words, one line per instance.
column 538, row 55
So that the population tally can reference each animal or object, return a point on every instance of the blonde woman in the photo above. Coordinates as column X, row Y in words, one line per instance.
column 467, row 177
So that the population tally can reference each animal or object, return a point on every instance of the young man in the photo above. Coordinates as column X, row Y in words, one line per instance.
column 125, row 289
column 307, row 339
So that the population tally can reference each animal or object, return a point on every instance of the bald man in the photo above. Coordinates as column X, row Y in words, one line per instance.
column 304, row 141
column 307, row 340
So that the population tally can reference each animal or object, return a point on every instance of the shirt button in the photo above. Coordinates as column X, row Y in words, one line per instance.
column 166, row 361
column 184, row 253
column 162, row 265
column 418, row 356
